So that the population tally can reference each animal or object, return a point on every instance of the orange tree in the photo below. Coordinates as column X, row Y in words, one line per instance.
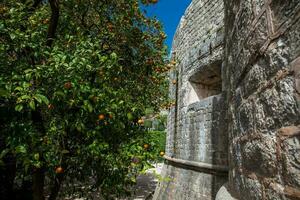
column 76, row 78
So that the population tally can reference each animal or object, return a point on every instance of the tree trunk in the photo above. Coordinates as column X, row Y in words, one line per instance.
column 38, row 184
column 54, row 5
column 56, row 187
column 7, row 177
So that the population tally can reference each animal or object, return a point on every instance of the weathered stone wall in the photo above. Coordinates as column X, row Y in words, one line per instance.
column 187, row 184
column 254, row 116
column 196, row 124
column 262, row 62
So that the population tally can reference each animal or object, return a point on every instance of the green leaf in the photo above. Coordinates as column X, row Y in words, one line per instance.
column 129, row 116
column 28, row 77
column 25, row 97
column 19, row 88
column 28, row 71
column 3, row 153
column 133, row 179
column 36, row 156
column 65, row 151
column 148, row 123
column 149, row 111
column 4, row 93
column 19, row 107
column 59, row 93
column 41, row 98
column 90, row 108
column 32, row 105
column 21, row 149
column 113, row 56
column 37, row 164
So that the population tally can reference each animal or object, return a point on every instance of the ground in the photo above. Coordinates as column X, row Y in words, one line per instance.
column 146, row 183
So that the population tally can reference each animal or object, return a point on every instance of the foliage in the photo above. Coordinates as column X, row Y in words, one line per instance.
column 75, row 78
column 157, row 140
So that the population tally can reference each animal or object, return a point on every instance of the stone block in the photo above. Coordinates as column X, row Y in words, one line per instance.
column 259, row 157
column 290, row 153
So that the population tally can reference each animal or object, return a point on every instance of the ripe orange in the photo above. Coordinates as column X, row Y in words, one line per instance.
column 146, row 146
column 174, row 81
column 101, row 117
column 50, row 106
column 140, row 121
column 173, row 62
column 46, row 21
column 68, row 85
column 163, row 35
column 59, row 170
column 105, row 46
column 149, row 61
column 161, row 153
column 110, row 27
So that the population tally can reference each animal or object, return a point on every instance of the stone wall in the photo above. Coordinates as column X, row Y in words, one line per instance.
column 237, row 103
column 262, row 61
column 196, row 124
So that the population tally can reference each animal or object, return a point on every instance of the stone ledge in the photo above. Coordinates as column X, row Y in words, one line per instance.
column 199, row 166
column 204, row 103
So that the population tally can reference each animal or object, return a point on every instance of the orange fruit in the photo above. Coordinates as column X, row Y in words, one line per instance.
column 163, row 35
column 50, row 107
column 59, row 170
column 46, row 21
column 68, row 85
column 173, row 62
column 105, row 46
column 146, row 146
column 110, row 27
column 149, row 61
column 101, row 117
column 174, row 81
column 140, row 121
column 111, row 116
column 161, row 153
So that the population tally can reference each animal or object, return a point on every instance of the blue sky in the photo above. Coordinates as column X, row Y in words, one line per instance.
column 169, row 13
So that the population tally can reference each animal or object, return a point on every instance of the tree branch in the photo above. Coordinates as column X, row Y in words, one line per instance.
column 54, row 4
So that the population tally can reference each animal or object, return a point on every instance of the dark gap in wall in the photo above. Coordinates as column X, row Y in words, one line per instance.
column 206, row 82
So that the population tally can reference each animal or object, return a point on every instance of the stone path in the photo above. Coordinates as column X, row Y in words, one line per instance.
column 144, row 189
column 146, row 184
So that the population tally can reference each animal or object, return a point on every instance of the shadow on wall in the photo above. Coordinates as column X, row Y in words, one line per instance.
column 219, row 138
column 205, row 83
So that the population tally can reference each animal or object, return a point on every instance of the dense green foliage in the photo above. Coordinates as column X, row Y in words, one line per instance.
column 76, row 76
